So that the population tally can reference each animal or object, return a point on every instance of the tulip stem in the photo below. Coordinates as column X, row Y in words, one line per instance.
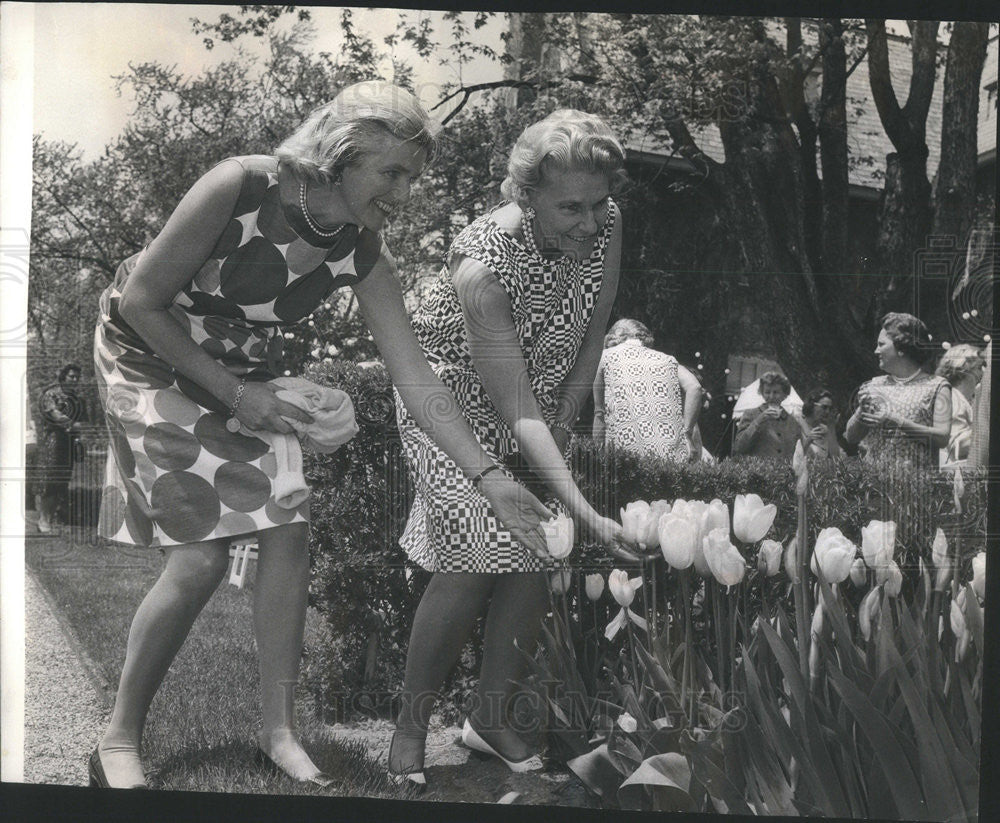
column 635, row 664
column 653, row 630
column 686, row 674
column 717, row 613
column 802, row 610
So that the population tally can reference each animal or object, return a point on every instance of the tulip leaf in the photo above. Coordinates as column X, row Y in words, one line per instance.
column 597, row 772
column 943, row 795
column 715, row 780
column 851, row 660
column 667, row 777
column 895, row 766
column 832, row 797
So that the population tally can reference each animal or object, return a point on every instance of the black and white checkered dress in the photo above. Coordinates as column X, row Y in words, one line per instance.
column 451, row 526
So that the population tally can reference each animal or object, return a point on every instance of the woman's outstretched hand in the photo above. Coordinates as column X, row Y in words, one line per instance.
column 520, row 512
column 261, row 410
column 611, row 536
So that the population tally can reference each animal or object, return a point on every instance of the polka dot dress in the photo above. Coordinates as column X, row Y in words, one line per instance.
column 912, row 400
column 451, row 527
column 175, row 474
column 644, row 411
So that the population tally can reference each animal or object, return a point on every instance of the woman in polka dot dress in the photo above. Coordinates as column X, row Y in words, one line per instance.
column 188, row 338
column 904, row 416
column 514, row 326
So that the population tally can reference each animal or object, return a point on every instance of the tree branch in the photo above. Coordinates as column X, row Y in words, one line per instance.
column 880, row 78
column 918, row 102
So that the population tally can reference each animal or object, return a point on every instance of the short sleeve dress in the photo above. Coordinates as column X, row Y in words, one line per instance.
column 175, row 473
column 451, row 527
column 643, row 405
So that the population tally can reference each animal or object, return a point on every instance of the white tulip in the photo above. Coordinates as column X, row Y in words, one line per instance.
column 635, row 521
column 878, row 542
column 560, row 580
column 621, row 588
column 559, row 536
column 979, row 575
column 724, row 560
column 769, row 558
column 716, row 516
column 833, row 556
column 627, row 723
column 657, row 509
column 678, row 540
column 594, row 586
column 958, row 614
column 751, row 518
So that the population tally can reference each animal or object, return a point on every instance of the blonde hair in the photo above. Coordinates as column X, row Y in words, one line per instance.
column 959, row 361
column 626, row 329
column 337, row 133
column 566, row 139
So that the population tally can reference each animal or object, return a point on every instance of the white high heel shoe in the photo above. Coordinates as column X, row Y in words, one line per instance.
column 471, row 738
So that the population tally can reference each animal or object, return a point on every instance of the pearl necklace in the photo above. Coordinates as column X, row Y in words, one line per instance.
column 907, row 379
column 527, row 216
column 310, row 220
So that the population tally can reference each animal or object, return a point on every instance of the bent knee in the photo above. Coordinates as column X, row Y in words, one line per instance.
column 197, row 568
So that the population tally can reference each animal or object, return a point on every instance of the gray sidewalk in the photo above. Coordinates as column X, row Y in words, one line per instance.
column 63, row 714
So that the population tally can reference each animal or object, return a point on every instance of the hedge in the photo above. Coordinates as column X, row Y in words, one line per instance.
column 368, row 591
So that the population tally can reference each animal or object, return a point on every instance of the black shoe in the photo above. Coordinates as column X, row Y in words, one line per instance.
column 264, row 760
column 98, row 779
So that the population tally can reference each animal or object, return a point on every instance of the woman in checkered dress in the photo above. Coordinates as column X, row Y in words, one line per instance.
column 514, row 327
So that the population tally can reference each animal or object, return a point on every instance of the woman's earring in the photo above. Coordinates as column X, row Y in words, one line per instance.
column 338, row 177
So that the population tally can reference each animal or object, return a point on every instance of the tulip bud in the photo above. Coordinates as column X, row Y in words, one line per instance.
column 869, row 611
column 958, row 614
column 798, row 459
column 858, row 573
column 769, row 558
column 594, row 586
column 893, row 579
column 627, row 723
column 979, row 575
column 559, row 536
column 791, row 560
column 942, row 560
column 751, row 518
column 560, row 580
column 622, row 589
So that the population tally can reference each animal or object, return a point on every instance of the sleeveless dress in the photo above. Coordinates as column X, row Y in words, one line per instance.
column 643, row 405
column 451, row 527
column 913, row 400
column 175, row 474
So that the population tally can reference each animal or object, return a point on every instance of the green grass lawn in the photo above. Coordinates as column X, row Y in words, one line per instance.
column 200, row 732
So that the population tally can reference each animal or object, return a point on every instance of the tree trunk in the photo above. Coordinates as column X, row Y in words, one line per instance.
column 954, row 195
column 905, row 208
column 833, row 147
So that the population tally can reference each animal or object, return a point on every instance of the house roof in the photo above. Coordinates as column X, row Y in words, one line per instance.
column 868, row 143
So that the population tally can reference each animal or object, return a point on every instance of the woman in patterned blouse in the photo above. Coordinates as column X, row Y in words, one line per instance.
column 904, row 416
column 644, row 400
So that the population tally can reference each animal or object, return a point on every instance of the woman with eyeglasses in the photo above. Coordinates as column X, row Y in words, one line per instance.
column 819, row 419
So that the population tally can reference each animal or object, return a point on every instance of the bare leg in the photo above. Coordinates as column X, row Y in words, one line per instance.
column 443, row 623
column 279, row 612
column 519, row 604
column 158, row 630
